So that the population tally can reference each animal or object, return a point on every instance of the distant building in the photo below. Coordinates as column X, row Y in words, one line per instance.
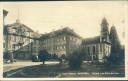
column 60, row 42
column 99, row 47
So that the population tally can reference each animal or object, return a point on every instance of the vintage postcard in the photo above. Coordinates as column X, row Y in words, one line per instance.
column 65, row 39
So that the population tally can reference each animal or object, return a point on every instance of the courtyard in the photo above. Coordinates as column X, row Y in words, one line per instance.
column 53, row 69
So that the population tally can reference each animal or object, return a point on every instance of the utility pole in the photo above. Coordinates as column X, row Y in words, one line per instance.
column 5, row 30
column 5, row 33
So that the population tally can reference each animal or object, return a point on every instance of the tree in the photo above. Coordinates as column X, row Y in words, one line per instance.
column 122, row 56
column 114, row 40
column 6, row 55
column 43, row 54
column 116, row 47
column 75, row 59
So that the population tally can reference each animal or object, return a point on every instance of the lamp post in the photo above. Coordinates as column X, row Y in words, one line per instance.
column 5, row 34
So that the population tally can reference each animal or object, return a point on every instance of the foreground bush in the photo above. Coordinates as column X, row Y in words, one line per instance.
column 35, row 58
column 75, row 59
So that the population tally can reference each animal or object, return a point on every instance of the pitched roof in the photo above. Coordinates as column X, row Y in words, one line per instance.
column 5, row 12
column 65, row 30
column 36, row 35
column 92, row 40
column 19, row 25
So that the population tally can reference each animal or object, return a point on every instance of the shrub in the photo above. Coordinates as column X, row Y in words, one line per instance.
column 75, row 59
column 54, row 56
column 34, row 58
column 6, row 55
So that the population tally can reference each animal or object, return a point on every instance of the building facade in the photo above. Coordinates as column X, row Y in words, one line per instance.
column 19, row 41
column 60, row 42
column 99, row 47
column 36, row 43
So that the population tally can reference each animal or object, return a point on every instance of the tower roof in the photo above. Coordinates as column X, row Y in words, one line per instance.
column 92, row 40
column 104, row 21
column 113, row 26
column 65, row 30
column 18, row 24
column 5, row 12
column 104, row 25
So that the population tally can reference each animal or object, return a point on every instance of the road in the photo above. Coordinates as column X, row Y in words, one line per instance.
column 16, row 65
column 87, row 71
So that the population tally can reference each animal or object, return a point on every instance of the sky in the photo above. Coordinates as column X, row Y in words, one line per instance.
column 84, row 17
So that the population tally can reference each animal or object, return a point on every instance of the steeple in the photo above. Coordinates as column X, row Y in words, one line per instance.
column 104, row 25
column 18, row 16
column 4, row 15
column 104, row 21
column 104, row 30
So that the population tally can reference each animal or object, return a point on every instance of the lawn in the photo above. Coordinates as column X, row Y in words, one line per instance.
column 63, row 70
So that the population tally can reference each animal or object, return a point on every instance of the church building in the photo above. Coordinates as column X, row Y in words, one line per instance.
column 99, row 47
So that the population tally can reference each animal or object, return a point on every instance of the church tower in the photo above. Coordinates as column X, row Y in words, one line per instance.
column 104, row 30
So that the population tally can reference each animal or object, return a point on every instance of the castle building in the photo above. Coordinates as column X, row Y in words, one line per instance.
column 60, row 42
column 99, row 47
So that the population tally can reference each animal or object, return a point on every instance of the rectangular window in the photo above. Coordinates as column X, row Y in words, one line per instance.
column 64, row 47
column 93, row 49
column 104, row 47
column 88, row 50
column 14, row 38
column 109, row 49
column 101, row 47
column 70, row 38
column 64, row 37
column 97, row 48
column 58, row 40
column 56, row 47
column 4, row 45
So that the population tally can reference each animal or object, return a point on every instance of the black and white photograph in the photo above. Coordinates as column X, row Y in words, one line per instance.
column 64, row 39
